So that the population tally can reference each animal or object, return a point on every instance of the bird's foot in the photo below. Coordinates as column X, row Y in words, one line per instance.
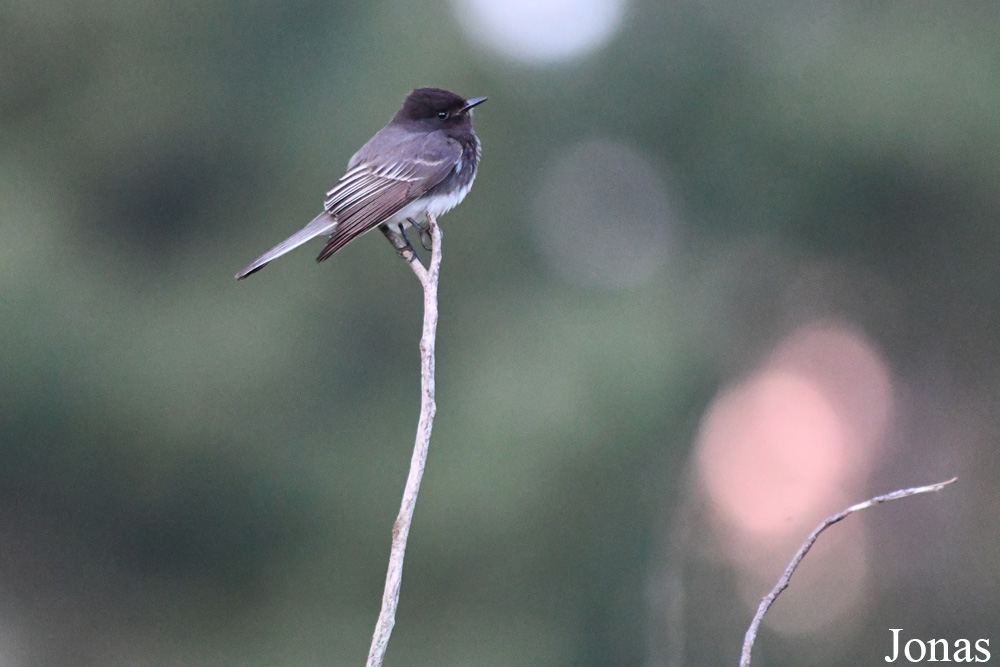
column 425, row 233
column 399, row 241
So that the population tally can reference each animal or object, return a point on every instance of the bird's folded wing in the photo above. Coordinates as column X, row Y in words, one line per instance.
column 368, row 195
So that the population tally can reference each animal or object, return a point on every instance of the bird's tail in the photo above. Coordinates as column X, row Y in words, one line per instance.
column 322, row 224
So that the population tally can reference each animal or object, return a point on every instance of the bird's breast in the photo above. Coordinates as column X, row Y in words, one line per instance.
column 447, row 194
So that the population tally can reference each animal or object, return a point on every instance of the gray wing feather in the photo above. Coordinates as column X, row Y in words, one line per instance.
column 368, row 195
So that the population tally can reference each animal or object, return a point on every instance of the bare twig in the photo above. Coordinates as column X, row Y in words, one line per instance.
column 401, row 529
column 782, row 584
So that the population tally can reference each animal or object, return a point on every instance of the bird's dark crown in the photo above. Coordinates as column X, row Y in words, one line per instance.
column 435, row 105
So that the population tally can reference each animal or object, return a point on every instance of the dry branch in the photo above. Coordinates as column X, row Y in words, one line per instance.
column 782, row 584
column 401, row 529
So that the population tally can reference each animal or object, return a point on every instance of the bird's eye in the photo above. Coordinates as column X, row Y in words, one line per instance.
column 442, row 114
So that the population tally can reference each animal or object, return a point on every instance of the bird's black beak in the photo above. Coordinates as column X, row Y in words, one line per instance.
column 475, row 101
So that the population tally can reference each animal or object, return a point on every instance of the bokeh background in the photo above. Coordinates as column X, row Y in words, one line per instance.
column 727, row 268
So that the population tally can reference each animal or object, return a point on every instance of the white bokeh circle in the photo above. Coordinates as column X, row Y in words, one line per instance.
column 540, row 31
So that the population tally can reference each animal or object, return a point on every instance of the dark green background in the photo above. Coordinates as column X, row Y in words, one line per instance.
column 195, row 471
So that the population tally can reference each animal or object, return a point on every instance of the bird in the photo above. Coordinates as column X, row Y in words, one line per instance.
column 421, row 164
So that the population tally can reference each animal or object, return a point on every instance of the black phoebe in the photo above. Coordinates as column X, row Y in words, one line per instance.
column 423, row 161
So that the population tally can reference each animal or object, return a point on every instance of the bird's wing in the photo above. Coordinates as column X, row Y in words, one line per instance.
column 376, row 186
column 322, row 224
column 370, row 193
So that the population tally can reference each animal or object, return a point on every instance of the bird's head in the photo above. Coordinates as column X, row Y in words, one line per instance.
column 438, row 107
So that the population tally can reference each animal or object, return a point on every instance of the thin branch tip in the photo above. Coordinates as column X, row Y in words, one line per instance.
column 769, row 599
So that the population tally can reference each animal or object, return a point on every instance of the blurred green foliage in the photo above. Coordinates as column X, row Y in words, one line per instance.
column 200, row 472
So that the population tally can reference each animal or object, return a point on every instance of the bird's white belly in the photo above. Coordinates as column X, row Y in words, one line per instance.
column 437, row 206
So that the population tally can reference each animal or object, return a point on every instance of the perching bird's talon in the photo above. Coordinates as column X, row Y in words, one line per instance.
column 399, row 241
column 425, row 232
column 425, row 238
column 406, row 239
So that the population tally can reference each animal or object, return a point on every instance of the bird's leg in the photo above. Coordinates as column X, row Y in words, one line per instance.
column 425, row 233
column 402, row 232
column 399, row 242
